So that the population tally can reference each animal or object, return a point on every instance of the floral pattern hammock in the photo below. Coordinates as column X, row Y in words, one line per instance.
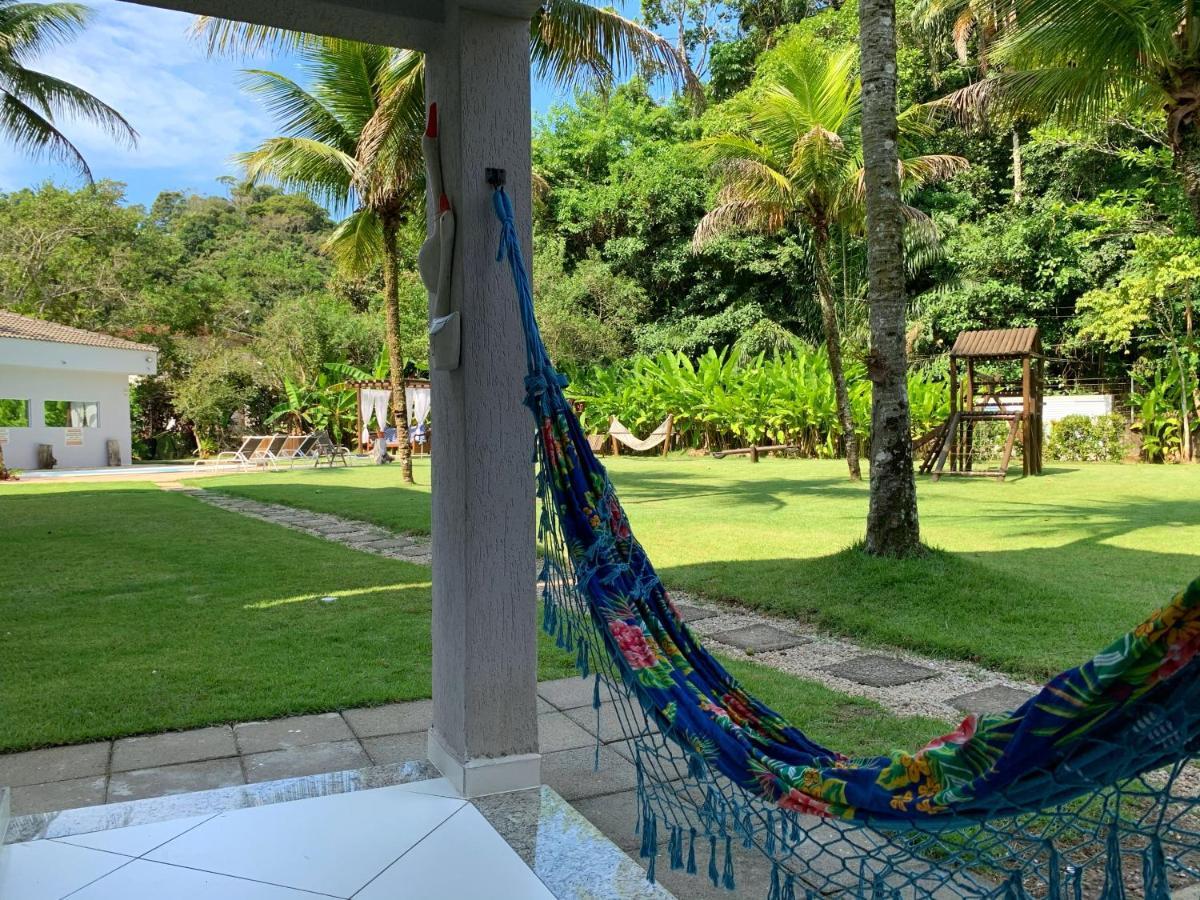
column 1139, row 694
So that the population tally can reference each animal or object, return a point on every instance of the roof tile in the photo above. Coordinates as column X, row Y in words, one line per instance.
column 27, row 329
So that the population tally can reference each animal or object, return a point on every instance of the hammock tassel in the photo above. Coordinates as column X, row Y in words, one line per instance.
column 691, row 860
column 727, row 875
column 1114, row 882
column 713, row 874
column 776, row 892
column 1054, row 876
column 675, row 846
column 770, row 842
column 789, row 887
column 1154, row 872
column 650, row 844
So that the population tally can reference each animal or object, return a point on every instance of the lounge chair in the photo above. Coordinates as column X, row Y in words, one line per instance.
column 240, row 456
column 325, row 449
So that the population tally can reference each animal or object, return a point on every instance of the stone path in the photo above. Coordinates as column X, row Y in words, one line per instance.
column 905, row 683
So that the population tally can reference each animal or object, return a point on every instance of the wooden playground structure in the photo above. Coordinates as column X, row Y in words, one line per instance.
column 983, row 399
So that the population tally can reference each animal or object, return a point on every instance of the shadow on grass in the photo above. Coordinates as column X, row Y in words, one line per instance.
column 1030, row 612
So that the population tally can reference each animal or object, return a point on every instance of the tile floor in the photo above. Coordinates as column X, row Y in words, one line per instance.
column 406, row 840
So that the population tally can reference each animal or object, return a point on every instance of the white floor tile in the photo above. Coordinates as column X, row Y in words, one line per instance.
column 465, row 859
column 144, row 880
column 47, row 870
column 439, row 787
column 331, row 845
column 134, row 840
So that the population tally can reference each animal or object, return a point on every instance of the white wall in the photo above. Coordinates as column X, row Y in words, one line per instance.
column 1057, row 406
column 109, row 389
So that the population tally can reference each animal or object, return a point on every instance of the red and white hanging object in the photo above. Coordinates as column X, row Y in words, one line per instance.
column 436, row 257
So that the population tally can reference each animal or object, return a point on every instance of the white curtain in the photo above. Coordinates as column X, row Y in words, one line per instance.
column 377, row 401
column 419, row 402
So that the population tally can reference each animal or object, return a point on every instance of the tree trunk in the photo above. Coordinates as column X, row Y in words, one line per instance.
column 391, row 302
column 833, row 342
column 1018, row 168
column 1185, row 144
column 892, row 525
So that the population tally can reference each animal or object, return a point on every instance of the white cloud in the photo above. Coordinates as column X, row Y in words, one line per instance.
column 189, row 111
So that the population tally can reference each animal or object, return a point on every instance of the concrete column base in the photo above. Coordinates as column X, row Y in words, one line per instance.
column 480, row 777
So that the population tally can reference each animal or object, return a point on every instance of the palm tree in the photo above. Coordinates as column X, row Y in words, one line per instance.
column 893, row 528
column 797, row 165
column 31, row 101
column 368, row 148
column 983, row 20
column 1087, row 62
column 322, row 154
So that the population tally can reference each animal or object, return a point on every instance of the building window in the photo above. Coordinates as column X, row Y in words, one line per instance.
column 71, row 414
column 14, row 413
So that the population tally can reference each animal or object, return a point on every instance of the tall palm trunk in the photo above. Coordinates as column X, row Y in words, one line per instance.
column 1018, row 168
column 391, row 302
column 1185, row 144
column 833, row 342
column 892, row 525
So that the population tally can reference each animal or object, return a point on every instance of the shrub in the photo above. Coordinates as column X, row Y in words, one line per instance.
column 1086, row 439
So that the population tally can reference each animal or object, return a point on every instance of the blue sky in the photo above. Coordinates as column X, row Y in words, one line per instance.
column 189, row 111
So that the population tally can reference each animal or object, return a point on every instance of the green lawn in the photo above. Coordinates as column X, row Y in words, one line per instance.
column 127, row 609
column 1032, row 575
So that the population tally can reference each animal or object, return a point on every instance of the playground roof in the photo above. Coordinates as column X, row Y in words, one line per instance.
column 998, row 343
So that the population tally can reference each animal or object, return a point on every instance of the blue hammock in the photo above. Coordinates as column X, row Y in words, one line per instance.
column 1050, row 799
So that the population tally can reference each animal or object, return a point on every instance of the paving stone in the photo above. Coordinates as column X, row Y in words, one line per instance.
column 997, row 698
column 180, row 779
column 295, row 731
column 397, row 748
column 70, row 794
column 691, row 613
column 557, row 732
column 569, row 693
column 611, row 728
column 616, row 815
column 876, row 670
column 385, row 544
column 572, row 773
column 54, row 764
column 759, row 638
column 394, row 718
column 173, row 747
column 310, row 759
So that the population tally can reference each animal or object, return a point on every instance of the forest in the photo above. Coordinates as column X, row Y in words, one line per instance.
column 674, row 227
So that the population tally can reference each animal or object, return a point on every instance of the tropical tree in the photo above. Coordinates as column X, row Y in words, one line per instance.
column 323, row 154
column 31, row 101
column 1084, row 63
column 893, row 528
column 795, row 163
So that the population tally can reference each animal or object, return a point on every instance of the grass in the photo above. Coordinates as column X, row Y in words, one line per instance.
column 128, row 609
column 1033, row 574
column 131, row 610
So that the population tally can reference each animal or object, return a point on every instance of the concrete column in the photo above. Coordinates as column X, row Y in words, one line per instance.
column 484, row 735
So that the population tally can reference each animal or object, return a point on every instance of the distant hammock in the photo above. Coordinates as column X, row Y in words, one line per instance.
column 622, row 435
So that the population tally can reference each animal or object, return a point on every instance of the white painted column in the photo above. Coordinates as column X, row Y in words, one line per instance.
column 484, row 735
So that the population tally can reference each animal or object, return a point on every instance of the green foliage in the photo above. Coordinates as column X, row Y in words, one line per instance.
column 1087, row 439
column 721, row 400
column 588, row 316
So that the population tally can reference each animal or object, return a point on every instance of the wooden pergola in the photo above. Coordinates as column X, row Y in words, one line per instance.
column 376, row 384
column 976, row 399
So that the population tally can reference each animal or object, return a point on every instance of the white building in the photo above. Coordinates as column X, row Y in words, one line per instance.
column 68, row 388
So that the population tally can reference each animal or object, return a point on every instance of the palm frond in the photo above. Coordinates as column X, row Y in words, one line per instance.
column 294, row 163
column 739, row 215
column 571, row 40
column 226, row 37
column 356, row 245
column 55, row 97
column 297, row 111
column 389, row 151
column 34, row 134
column 28, row 29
